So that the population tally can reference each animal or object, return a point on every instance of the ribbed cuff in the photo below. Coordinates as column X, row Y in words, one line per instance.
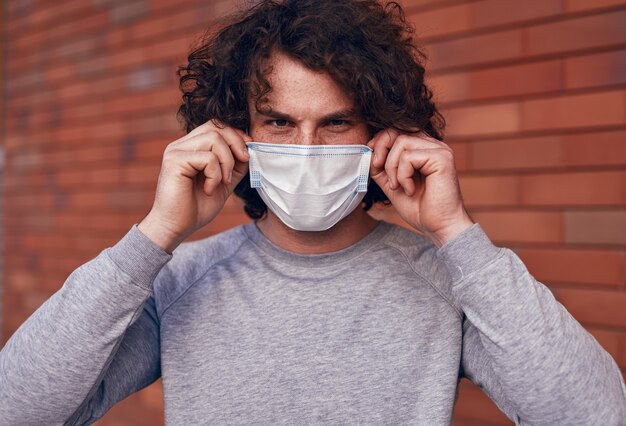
column 467, row 253
column 140, row 258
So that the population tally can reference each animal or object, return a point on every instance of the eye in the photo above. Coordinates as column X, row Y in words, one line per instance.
column 337, row 122
column 281, row 122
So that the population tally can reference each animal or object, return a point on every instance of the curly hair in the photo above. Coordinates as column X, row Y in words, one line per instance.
column 367, row 47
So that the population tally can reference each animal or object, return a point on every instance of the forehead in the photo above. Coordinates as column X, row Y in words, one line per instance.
column 298, row 88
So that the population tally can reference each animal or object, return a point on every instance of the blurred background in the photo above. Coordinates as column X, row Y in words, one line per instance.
column 534, row 93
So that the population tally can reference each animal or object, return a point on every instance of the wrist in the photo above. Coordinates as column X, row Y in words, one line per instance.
column 443, row 236
column 159, row 234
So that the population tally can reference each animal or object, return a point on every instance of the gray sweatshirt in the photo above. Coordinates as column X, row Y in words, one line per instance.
column 243, row 332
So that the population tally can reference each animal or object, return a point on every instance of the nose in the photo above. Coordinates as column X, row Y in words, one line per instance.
column 308, row 137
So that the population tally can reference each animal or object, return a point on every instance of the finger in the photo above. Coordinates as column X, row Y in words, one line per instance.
column 191, row 163
column 421, row 163
column 212, row 175
column 226, row 160
column 203, row 128
column 407, row 169
column 236, row 140
column 215, row 142
column 381, row 144
column 393, row 159
column 405, row 143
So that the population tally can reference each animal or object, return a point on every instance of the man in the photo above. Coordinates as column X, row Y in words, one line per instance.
column 318, row 314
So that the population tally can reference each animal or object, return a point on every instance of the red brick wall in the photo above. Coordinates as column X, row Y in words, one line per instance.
column 534, row 93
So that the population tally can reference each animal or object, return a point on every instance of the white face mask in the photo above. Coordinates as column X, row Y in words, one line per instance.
column 309, row 187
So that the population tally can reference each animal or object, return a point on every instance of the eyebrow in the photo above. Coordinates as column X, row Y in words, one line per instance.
column 336, row 115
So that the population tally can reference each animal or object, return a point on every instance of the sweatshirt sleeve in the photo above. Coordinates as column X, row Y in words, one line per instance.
column 88, row 346
column 522, row 347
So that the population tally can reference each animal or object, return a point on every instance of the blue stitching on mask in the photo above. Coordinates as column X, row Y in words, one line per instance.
column 308, row 148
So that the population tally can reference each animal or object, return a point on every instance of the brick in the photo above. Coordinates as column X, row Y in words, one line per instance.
column 181, row 20
column 558, row 151
column 449, row 87
column 104, row 178
column 442, row 21
column 135, row 56
column 576, row 266
column 596, row 149
column 69, row 28
column 21, row 280
column 574, row 189
column 461, row 155
column 501, row 12
column 85, row 154
column 409, row 4
column 147, row 77
column 98, row 66
column 97, row 222
column 518, row 153
column 474, row 404
column 621, row 360
column 490, row 190
column 601, row 69
column 32, row 78
column 122, row 13
column 42, row 14
column 510, row 227
column 151, row 149
column 597, row 307
column 33, row 300
column 165, row 124
column 609, row 340
column 517, row 80
column 606, row 227
column 165, row 99
column 577, row 34
column 129, row 199
column 26, row 160
column 172, row 48
column 574, row 111
column 580, row 5
column 476, row 49
column 109, row 130
column 142, row 174
column 562, row 189
column 483, row 120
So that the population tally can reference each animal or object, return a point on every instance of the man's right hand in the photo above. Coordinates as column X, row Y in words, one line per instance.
column 198, row 174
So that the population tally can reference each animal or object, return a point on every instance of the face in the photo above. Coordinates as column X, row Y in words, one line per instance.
column 305, row 107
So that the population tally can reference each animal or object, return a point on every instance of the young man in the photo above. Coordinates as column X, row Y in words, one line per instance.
column 315, row 313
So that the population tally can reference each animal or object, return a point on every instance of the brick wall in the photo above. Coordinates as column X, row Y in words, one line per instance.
column 534, row 94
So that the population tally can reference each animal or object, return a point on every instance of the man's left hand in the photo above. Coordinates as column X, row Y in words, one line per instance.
column 417, row 174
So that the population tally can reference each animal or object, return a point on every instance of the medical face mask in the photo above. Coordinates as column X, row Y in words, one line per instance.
column 309, row 187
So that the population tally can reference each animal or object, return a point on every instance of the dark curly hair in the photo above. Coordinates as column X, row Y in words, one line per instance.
column 365, row 46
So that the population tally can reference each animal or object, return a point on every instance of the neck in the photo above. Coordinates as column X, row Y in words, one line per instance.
column 347, row 232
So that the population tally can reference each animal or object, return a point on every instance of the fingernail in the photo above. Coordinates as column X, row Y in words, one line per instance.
column 230, row 177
